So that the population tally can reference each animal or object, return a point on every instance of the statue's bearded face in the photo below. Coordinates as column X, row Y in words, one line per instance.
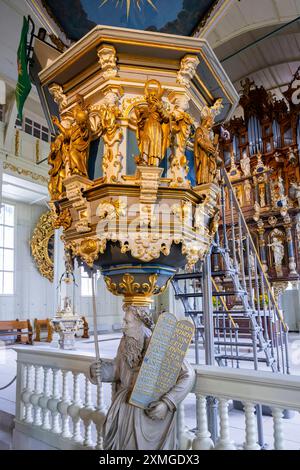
column 133, row 330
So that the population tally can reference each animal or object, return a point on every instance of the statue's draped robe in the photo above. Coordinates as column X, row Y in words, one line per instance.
column 128, row 427
column 79, row 146
column 151, row 134
column 205, row 165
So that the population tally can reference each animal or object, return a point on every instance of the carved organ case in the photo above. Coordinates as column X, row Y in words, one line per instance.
column 262, row 158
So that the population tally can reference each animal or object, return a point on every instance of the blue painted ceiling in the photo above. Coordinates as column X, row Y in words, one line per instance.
column 77, row 17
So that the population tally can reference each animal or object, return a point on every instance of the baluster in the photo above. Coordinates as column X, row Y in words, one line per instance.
column 203, row 439
column 100, row 414
column 86, row 414
column 23, row 368
column 224, row 442
column 43, row 401
column 251, row 429
column 26, row 395
column 74, row 409
column 183, row 436
column 63, row 406
column 37, row 412
column 53, row 403
column 278, row 428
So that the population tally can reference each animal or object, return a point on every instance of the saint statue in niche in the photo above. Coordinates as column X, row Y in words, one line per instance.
column 128, row 427
column 153, row 126
column 278, row 252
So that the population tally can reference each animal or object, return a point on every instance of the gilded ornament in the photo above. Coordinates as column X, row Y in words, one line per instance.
column 17, row 142
column 23, row 172
column 63, row 219
column 41, row 245
column 128, row 287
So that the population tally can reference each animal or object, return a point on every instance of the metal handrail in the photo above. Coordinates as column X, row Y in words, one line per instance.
column 245, row 226
column 224, row 304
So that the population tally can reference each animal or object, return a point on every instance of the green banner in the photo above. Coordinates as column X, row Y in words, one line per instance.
column 24, row 84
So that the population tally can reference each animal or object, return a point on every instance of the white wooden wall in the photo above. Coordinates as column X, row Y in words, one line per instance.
column 32, row 293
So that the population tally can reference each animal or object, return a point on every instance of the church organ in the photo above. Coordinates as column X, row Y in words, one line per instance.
column 261, row 156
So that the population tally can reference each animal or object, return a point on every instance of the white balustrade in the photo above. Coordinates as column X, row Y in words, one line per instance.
column 57, row 404
column 277, row 391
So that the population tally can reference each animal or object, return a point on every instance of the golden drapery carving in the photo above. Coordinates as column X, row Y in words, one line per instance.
column 69, row 152
column 206, row 153
column 153, row 127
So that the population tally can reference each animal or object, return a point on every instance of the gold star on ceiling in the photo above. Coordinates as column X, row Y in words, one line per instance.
column 129, row 3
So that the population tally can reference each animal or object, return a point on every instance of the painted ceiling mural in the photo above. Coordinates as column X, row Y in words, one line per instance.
column 77, row 17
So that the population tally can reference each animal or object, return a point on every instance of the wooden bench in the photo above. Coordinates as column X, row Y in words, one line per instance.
column 43, row 325
column 17, row 329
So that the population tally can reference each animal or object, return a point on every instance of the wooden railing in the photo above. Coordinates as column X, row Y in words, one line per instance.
column 57, row 405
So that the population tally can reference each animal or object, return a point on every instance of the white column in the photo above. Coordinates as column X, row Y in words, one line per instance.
column 53, row 402
column 224, row 441
column 203, row 439
column 43, row 401
column 86, row 414
column 74, row 409
column 63, row 406
column 278, row 428
column 37, row 414
column 251, row 427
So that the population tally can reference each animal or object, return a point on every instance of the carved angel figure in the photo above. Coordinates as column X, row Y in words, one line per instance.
column 205, row 147
column 152, row 127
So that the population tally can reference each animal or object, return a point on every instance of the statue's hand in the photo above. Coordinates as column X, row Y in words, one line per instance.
column 157, row 410
column 95, row 370
column 55, row 120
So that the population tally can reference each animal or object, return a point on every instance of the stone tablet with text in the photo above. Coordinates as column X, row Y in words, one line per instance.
column 163, row 360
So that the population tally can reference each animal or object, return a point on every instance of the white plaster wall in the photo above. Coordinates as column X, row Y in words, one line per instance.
column 33, row 294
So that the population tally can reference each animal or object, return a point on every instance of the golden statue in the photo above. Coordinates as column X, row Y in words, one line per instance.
column 206, row 152
column 152, row 127
column 77, row 140
column 58, row 171
column 181, row 123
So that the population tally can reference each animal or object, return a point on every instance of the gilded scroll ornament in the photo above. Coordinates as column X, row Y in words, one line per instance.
column 153, row 127
column 41, row 245
column 63, row 219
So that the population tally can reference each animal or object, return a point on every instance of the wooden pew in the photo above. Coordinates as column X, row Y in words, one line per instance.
column 17, row 329
column 44, row 325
